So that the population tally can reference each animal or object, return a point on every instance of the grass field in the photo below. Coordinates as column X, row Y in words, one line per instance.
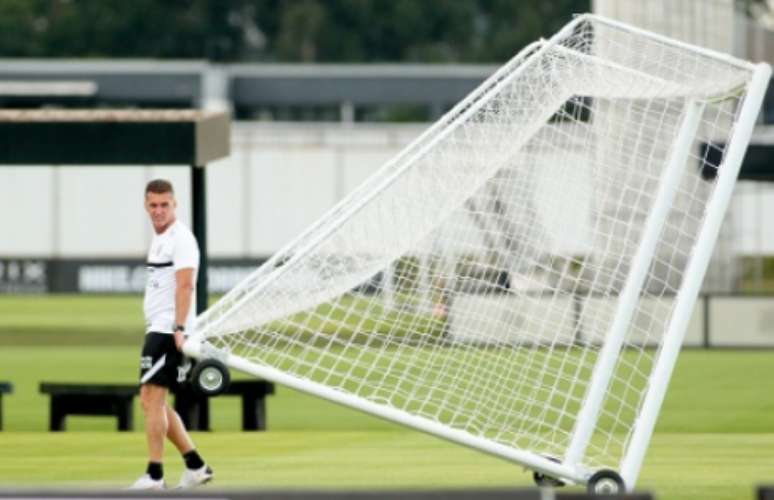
column 714, row 440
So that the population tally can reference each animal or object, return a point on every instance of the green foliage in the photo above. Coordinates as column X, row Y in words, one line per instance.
column 116, row 28
column 280, row 30
column 757, row 274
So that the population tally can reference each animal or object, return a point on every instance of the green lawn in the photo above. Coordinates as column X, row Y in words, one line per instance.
column 715, row 438
column 70, row 320
column 679, row 466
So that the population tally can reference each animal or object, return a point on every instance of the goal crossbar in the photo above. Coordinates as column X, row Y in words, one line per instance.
column 641, row 85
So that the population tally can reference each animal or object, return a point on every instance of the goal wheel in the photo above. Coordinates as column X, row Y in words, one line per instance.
column 210, row 377
column 545, row 481
column 606, row 482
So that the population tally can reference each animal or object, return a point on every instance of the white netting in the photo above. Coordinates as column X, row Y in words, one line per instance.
column 473, row 280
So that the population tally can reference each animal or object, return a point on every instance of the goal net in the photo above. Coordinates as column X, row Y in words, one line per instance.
column 519, row 278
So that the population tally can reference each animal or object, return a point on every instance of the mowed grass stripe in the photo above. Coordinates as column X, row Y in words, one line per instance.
column 70, row 320
column 711, row 391
column 678, row 467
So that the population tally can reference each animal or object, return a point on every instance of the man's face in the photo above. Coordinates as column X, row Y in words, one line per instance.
column 161, row 208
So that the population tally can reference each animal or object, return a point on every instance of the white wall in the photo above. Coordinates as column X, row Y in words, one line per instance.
column 731, row 321
column 741, row 321
column 27, row 201
column 279, row 179
column 710, row 23
column 753, row 227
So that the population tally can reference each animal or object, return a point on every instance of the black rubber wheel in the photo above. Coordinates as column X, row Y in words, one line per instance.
column 544, row 481
column 606, row 482
column 210, row 377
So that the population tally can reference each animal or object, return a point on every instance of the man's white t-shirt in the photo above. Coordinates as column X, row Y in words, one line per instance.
column 170, row 251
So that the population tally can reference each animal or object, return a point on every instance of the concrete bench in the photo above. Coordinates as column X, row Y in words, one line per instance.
column 90, row 399
column 194, row 409
column 5, row 388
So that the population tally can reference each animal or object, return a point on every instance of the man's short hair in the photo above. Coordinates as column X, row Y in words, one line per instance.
column 159, row 186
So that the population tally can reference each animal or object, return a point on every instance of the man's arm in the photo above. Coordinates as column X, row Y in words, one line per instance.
column 183, row 293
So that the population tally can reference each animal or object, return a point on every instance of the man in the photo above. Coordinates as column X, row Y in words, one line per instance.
column 169, row 308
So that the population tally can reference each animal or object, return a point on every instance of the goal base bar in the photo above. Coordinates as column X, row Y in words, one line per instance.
column 202, row 350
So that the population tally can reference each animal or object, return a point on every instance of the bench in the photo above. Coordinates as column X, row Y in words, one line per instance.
column 90, row 399
column 117, row 399
column 5, row 388
column 194, row 409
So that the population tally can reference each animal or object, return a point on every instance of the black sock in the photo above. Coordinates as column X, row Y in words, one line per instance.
column 155, row 470
column 193, row 460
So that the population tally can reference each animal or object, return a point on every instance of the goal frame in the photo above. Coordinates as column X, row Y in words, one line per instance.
column 570, row 469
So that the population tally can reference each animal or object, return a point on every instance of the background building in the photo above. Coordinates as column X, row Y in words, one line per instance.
column 304, row 136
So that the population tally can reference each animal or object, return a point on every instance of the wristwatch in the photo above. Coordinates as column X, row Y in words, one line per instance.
column 180, row 328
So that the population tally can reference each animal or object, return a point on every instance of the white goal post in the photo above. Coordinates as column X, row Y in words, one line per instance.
column 519, row 278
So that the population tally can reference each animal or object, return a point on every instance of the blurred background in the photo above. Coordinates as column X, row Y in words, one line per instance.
column 322, row 93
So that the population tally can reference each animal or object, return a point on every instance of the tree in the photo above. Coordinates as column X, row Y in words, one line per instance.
column 280, row 30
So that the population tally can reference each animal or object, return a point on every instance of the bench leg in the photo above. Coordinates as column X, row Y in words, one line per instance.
column 194, row 411
column 198, row 415
column 125, row 416
column 57, row 415
column 204, row 415
column 253, row 413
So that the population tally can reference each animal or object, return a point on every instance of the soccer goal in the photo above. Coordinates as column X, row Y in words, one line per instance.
column 520, row 277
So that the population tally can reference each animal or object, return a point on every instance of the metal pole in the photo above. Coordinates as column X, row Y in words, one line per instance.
column 199, row 212
column 627, row 302
column 693, row 277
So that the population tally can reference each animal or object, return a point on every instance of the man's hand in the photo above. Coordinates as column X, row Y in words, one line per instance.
column 179, row 340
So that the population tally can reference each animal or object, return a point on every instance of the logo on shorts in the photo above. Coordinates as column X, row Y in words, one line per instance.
column 182, row 371
column 146, row 362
